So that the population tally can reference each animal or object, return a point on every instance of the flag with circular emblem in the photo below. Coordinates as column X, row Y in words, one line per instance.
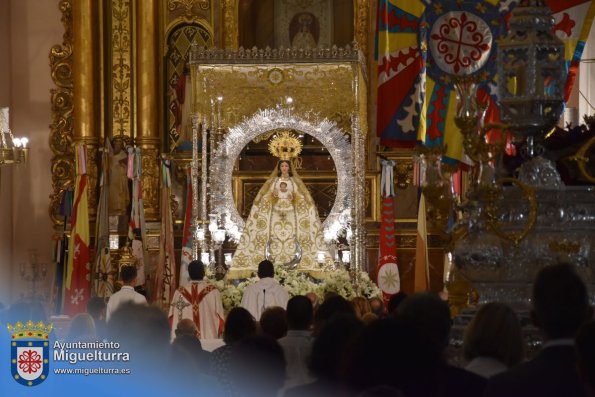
column 388, row 272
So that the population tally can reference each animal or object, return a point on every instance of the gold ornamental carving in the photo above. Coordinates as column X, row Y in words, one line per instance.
column 61, row 129
column 362, row 16
column 221, row 72
column 188, row 5
column 231, row 33
column 121, row 57
column 403, row 173
column 582, row 158
column 92, row 176
column 150, row 182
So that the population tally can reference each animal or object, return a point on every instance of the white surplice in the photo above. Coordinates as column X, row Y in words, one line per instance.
column 266, row 292
column 125, row 294
column 200, row 302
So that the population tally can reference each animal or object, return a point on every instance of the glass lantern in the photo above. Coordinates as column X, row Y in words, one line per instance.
column 531, row 71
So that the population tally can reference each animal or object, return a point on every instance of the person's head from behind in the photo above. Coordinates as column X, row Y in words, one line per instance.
column 331, row 344
column 96, row 308
column 494, row 331
column 266, row 269
column 196, row 270
column 560, row 301
column 141, row 330
column 403, row 351
column 273, row 322
column 361, row 306
column 299, row 313
column 128, row 275
column 377, row 306
column 430, row 315
column 394, row 301
column 258, row 366
column 585, row 349
column 186, row 328
column 238, row 325
column 81, row 327
column 330, row 307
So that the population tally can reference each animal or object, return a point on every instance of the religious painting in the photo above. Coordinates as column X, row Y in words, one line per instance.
column 304, row 24
column 296, row 23
column 304, row 30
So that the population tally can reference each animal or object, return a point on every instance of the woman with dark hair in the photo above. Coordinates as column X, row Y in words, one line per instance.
column 239, row 324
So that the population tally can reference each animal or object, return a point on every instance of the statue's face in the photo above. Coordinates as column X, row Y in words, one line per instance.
column 284, row 167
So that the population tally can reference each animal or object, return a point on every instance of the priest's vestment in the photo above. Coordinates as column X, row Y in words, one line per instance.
column 266, row 292
column 200, row 302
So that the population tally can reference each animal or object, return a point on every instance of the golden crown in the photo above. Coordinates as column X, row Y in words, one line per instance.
column 30, row 330
column 285, row 145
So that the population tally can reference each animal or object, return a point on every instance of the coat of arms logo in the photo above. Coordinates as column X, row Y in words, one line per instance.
column 29, row 352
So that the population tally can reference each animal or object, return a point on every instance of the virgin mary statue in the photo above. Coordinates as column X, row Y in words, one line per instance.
column 283, row 225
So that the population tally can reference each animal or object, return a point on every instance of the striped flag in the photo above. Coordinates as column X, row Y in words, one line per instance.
column 187, row 234
column 165, row 275
column 401, row 72
column 388, row 271
column 77, row 283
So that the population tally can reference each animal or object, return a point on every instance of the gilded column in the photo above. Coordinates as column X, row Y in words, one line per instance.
column 231, row 32
column 85, row 131
column 147, row 94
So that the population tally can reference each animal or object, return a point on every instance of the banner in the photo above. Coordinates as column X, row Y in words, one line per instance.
column 421, row 272
column 187, row 234
column 573, row 21
column 137, row 230
column 77, row 285
column 388, row 271
column 103, row 276
column 416, row 56
column 165, row 274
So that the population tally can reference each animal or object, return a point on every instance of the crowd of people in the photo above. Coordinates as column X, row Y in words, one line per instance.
column 280, row 346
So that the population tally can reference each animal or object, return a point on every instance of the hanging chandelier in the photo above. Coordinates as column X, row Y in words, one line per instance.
column 12, row 150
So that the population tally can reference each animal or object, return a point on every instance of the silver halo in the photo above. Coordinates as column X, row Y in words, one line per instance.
column 229, row 149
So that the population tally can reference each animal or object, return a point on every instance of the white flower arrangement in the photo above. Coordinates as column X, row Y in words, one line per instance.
column 297, row 283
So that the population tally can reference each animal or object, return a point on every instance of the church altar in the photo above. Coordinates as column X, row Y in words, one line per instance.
column 296, row 93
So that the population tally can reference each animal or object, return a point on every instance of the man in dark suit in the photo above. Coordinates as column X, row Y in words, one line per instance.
column 560, row 307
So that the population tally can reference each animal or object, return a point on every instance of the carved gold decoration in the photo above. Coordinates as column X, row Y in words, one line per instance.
column 492, row 210
column 188, row 5
column 150, row 182
column 324, row 90
column 121, row 55
column 403, row 173
column 62, row 163
column 361, row 28
column 564, row 247
column 459, row 291
column 582, row 159
column 92, row 176
column 231, row 35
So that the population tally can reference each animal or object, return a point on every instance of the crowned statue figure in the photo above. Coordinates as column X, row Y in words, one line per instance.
column 283, row 225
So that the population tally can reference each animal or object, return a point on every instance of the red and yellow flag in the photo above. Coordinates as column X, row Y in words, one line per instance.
column 77, row 283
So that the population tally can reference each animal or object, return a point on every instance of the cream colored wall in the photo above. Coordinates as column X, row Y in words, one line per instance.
column 5, row 174
column 34, row 26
